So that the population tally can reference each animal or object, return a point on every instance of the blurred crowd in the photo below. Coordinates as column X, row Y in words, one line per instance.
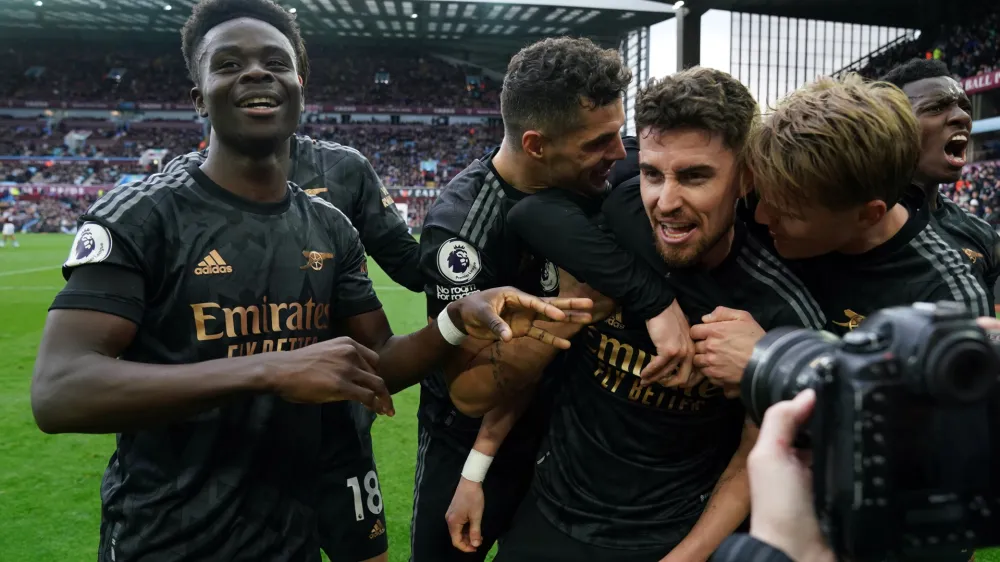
column 157, row 74
column 42, row 214
column 978, row 191
column 968, row 49
column 407, row 155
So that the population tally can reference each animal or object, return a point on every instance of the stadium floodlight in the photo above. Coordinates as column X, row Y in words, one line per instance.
column 292, row 10
column 39, row 3
column 168, row 7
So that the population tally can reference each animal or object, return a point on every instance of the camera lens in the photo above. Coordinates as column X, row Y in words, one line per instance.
column 784, row 362
column 960, row 369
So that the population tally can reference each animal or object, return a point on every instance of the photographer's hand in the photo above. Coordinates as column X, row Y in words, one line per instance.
column 782, row 513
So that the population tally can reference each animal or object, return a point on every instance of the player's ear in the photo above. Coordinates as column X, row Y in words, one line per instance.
column 872, row 212
column 199, row 102
column 302, row 94
column 744, row 180
column 532, row 143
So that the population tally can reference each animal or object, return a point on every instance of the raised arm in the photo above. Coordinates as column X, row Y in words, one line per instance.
column 583, row 247
column 576, row 243
column 501, row 371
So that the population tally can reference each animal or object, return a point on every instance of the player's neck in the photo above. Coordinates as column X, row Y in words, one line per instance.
column 264, row 180
column 516, row 169
column 930, row 189
column 879, row 233
column 714, row 257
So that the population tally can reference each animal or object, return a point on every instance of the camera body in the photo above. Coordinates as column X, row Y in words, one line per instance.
column 905, row 434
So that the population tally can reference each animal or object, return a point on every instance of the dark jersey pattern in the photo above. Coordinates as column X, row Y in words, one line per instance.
column 630, row 467
column 975, row 238
column 222, row 277
column 921, row 263
column 344, row 177
column 466, row 246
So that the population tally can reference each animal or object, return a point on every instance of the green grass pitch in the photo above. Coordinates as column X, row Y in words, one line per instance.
column 49, row 484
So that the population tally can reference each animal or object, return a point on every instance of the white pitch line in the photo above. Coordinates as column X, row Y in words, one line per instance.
column 32, row 270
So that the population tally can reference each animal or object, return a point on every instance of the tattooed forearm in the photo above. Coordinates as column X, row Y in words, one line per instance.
column 496, row 365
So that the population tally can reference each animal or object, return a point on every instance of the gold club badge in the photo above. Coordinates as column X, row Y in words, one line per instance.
column 853, row 320
column 315, row 260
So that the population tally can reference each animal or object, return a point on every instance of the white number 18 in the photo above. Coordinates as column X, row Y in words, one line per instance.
column 373, row 492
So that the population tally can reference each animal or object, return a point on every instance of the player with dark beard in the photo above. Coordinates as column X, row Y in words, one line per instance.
column 562, row 110
column 629, row 472
column 179, row 286
column 942, row 109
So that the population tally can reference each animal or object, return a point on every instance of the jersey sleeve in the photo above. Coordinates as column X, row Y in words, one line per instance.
column 354, row 293
column 111, row 262
column 382, row 228
column 588, row 252
column 452, row 267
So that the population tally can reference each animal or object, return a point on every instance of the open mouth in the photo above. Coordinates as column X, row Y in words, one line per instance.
column 259, row 105
column 954, row 149
column 676, row 232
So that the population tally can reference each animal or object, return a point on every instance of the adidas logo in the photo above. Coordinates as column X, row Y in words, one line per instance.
column 377, row 530
column 212, row 264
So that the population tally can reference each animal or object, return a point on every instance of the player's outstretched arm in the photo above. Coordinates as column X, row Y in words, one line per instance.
column 465, row 514
column 79, row 385
column 501, row 370
column 501, row 314
column 728, row 507
column 399, row 258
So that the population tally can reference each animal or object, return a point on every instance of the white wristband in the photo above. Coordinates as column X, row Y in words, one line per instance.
column 448, row 330
column 476, row 466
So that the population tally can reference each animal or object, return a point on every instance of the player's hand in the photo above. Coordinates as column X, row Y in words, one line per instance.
column 724, row 343
column 505, row 313
column 465, row 516
column 781, row 485
column 570, row 287
column 330, row 371
column 988, row 324
column 672, row 364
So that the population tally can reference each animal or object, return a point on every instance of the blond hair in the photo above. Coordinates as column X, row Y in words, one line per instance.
column 836, row 143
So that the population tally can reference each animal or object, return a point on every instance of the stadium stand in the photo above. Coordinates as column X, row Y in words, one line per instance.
column 968, row 49
column 148, row 74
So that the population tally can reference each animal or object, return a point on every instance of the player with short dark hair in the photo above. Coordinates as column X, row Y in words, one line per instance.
column 943, row 111
column 629, row 471
column 179, row 286
column 562, row 110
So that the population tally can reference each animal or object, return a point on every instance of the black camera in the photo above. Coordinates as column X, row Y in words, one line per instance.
column 905, row 435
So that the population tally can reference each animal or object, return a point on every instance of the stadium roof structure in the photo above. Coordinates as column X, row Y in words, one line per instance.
column 914, row 14
column 481, row 32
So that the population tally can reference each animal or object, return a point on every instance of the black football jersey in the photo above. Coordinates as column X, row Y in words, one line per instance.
column 920, row 263
column 344, row 177
column 222, row 277
column 466, row 246
column 975, row 238
column 630, row 467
